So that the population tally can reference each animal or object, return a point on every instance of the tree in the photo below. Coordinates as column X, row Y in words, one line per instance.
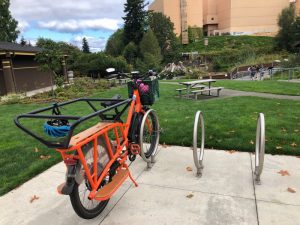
column 85, row 46
column 163, row 29
column 134, row 21
column 8, row 25
column 150, row 51
column 130, row 53
column 115, row 44
column 285, row 37
column 296, row 28
column 53, row 54
column 22, row 41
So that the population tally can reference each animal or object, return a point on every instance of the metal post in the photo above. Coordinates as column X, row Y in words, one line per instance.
column 198, row 160
column 259, row 147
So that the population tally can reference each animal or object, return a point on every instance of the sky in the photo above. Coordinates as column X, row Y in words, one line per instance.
column 69, row 20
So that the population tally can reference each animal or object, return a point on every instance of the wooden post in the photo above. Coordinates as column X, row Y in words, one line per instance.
column 8, row 76
column 64, row 68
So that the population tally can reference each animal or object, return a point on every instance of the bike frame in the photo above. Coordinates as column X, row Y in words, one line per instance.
column 120, row 131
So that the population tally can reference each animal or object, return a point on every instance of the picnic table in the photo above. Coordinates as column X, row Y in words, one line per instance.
column 198, row 87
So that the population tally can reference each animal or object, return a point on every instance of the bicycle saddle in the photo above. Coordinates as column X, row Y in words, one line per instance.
column 110, row 103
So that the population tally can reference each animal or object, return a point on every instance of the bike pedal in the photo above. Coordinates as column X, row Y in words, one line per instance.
column 135, row 149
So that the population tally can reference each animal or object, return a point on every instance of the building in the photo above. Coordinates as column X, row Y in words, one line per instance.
column 19, row 72
column 218, row 17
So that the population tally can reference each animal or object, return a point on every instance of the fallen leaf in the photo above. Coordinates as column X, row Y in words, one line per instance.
column 278, row 103
column 231, row 131
column 42, row 157
column 284, row 173
column 252, row 142
column 291, row 190
column 190, row 196
column 33, row 198
column 283, row 129
column 232, row 151
column 296, row 130
column 278, row 147
column 189, row 169
column 36, row 150
column 187, row 117
column 294, row 144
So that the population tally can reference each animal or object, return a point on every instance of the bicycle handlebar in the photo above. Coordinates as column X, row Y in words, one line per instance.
column 136, row 75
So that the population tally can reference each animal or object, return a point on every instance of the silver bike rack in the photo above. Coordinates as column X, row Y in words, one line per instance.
column 150, row 160
column 198, row 153
column 259, row 147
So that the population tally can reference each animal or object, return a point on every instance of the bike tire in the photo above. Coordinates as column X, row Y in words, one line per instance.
column 75, row 197
column 149, row 134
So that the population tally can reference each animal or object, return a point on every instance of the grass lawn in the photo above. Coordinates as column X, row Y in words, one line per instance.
column 230, row 124
column 266, row 86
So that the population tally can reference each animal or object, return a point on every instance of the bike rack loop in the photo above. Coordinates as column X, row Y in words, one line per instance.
column 198, row 160
column 151, row 160
column 259, row 147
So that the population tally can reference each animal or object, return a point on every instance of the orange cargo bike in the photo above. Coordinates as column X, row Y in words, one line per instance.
column 97, row 157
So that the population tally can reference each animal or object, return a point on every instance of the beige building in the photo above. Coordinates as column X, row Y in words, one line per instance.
column 217, row 17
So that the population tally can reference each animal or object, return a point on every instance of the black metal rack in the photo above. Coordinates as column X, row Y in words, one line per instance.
column 64, row 143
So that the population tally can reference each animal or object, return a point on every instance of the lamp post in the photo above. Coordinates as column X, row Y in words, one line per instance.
column 205, row 44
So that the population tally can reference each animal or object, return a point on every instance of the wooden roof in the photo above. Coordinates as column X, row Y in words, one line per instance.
column 14, row 47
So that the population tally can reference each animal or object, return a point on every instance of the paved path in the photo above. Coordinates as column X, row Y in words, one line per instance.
column 292, row 81
column 225, row 93
column 232, row 93
column 170, row 194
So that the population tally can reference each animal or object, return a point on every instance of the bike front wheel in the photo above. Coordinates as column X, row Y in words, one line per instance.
column 149, row 135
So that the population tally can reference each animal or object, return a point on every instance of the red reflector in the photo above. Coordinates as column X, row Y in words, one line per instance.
column 70, row 161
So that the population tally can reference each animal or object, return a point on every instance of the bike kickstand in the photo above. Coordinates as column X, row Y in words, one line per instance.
column 130, row 176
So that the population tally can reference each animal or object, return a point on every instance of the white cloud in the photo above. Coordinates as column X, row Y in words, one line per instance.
column 95, row 44
column 43, row 10
column 73, row 26
column 23, row 25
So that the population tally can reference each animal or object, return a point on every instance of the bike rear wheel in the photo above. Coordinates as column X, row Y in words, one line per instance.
column 82, row 205
column 149, row 134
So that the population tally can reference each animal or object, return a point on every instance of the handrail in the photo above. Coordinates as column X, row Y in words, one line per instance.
column 198, row 160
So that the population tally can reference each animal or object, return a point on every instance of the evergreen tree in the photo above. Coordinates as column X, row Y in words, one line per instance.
column 163, row 29
column 130, row 53
column 115, row 44
column 150, row 51
column 285, row 37
column 296, row 27
column 134, row 21
column 85, row 46
column 8, row 25
column 22, row 41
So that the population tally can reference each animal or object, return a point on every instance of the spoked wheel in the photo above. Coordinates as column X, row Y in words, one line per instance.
column 82, row 205
column 198, row 153
column 259, row 147
column 149, row 135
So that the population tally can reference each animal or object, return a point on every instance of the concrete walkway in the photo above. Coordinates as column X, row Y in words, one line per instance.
column 227, row 93
column 170, row 194
column 233, row 93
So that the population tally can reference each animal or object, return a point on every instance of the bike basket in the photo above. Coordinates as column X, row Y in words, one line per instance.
column 148, row 89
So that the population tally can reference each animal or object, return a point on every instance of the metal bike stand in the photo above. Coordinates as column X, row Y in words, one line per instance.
column 151, row 160
column 259, row 147
column 198, row 160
